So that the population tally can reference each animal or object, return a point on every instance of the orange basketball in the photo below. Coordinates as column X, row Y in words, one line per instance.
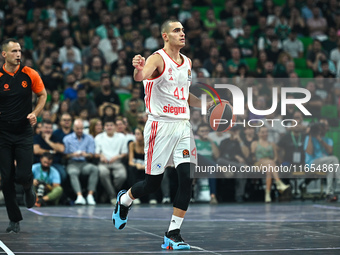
column 220, row 116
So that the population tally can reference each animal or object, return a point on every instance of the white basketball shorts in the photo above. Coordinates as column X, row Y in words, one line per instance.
column 166, row 144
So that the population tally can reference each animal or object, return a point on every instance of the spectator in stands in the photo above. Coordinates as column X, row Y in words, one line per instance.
column 111, row 158
column 123, row 127
column 296, row 22
column 317, row 25
column 268, row 8
column 88, row 52
column 95, row 73
column 247, row 43
column 315, row 104
column 307, row 10
column 95, row 128
column 81, row 103
column 261, row 30
column 261, row 60
column 274, row 51
column 46, row 181
column 152, row 42
column 197, row 68
column 42, row 52
column 331, row 42
column 69, row 64
column 106, row 94
column 97, row 9
column 265, row 42
column 265, row 154
column 53, row 105
column 47, row 142
column 293, row 46
column 132, row 114
column 78, row 148
column 83, row 31
column 226, row 13
column 232, row 154
column 207, row 151
column 210, row 22
column 106, row 25
column 327, row 69
column 313, row 55
column 51, row 76
column 65, row 126
column 335, row 53
column 56, row 12
column 221, row 32
column 68, row 45
column 237, row 28
column 235, row 61
column 122, row 82
column 319, row 151
column 184, row 13
column 136, row 94
column 74, row 6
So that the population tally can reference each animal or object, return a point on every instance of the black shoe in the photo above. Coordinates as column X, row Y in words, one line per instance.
column 331, row 198
column 174, row 241
column 13, row 227
column 30, row 197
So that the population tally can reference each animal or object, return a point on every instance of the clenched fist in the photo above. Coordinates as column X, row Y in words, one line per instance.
column 138, row 62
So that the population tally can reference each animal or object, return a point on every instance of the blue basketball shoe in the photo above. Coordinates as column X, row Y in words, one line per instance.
column 174, row 241
column 119, row 215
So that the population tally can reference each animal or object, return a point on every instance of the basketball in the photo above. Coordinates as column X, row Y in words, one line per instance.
column 220, row 116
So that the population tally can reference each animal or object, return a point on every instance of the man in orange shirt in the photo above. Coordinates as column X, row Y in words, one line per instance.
column 16, row 134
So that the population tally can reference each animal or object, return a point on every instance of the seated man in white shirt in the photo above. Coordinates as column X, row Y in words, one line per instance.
column 111, row 147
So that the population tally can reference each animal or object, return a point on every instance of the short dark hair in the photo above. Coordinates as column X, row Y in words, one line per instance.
column 165, row 25
column 109, row 119
column 47, row 121
column 6, row 42
column 48, row 155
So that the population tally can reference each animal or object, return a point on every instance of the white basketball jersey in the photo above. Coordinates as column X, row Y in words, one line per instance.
column 166, row 96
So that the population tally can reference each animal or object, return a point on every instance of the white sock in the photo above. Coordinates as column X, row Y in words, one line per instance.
column 125, row 199
column 175, row 223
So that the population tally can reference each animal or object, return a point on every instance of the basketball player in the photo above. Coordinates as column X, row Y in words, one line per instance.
column 168, row 136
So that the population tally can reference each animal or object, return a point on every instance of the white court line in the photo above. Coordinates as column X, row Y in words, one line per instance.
column 6, row 249
column 195, row 247
column 219, row 252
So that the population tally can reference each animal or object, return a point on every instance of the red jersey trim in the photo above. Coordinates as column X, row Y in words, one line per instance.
column 174, row 60
column 163, row 69
column 152, row 139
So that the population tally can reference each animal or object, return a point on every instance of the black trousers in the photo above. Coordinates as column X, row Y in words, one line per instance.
column 16, row 144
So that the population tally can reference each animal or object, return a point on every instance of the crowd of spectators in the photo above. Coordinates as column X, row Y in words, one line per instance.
column 83, row 49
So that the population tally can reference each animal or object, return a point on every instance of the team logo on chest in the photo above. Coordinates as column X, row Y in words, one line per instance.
column 6, row 87
column 24, row 84
column 170, row 74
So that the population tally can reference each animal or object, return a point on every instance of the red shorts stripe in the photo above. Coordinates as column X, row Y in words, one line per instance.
column 152, row 139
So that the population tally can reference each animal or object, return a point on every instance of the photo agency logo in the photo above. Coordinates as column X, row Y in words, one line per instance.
column 280, row 97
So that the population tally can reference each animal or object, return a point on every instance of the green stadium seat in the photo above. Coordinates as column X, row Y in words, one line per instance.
column 300, row 63
column 304, row 73
column 122, row 98
column 251, row 63
column 219, row 3
column 329, row 111
column 279, row 2
column 306, row 41
column 253, row 28
column 203, row 10
column 217, row 11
